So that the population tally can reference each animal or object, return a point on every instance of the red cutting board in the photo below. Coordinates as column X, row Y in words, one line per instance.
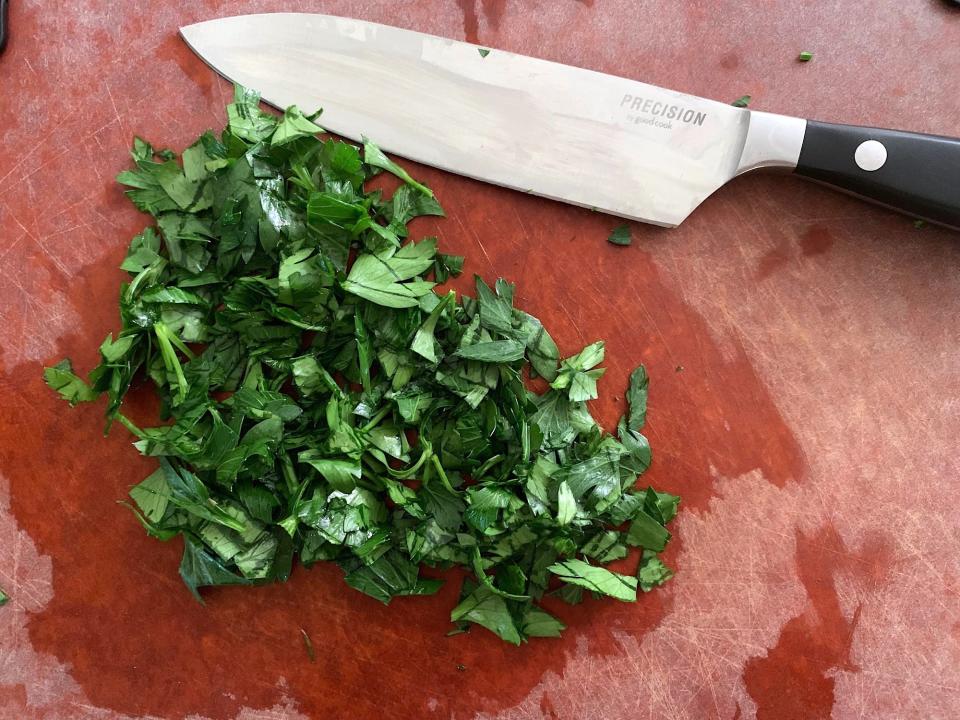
column 805, row 393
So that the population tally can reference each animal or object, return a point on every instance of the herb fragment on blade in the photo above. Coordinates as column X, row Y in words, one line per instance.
column 321, row 401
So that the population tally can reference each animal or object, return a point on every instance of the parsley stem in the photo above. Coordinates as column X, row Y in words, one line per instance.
column 485, row 468
column 412, row 469
column 179, row 344
column 126, row 422
column 170, row 360
column 443, row 475
column 375, row 420
column 289, row 473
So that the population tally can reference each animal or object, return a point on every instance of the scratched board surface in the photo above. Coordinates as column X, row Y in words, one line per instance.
column 803, row 349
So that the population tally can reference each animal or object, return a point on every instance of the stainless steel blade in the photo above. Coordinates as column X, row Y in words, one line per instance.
column 565, row 133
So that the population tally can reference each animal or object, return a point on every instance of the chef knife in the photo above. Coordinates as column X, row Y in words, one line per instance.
column 582, row 137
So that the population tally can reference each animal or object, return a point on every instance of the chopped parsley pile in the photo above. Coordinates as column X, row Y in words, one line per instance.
column 321, row 399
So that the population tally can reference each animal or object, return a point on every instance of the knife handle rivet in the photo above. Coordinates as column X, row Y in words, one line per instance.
column 870, row 155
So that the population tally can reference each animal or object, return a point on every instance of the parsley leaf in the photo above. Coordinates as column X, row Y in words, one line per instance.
column 577, row 374
column 200, row 567
column 637, row 399
column 486, row 608
column 293, row 125
column 652, row 572
column 597, row 579
column 385, row 277
column 620, row 235
column 61, row 378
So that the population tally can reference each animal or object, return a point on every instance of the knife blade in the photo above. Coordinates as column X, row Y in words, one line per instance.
column 566, row 133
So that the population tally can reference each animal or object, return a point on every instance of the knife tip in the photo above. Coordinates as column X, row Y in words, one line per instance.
column 193, row 35
column 185, row 30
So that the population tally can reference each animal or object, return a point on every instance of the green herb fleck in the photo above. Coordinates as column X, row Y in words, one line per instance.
column 919, row 224
column 637, row 399
column 483, row 52
column 4, row 598
column 742, row 101
column 621, row 235
column 652, row 572
column 805, row 56
column 322, row 401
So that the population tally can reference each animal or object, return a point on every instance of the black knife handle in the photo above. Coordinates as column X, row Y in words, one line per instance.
column 911, row 172
column 3, row 25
